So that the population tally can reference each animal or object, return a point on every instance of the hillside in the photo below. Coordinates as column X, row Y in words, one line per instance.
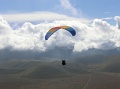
column 44, row 74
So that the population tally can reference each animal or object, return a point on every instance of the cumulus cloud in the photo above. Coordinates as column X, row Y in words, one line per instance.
column 117, row 18
column 98, row 35
column 4, row 26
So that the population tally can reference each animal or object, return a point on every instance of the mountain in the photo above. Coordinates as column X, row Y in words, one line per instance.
column 56, row 53
column 51, row 74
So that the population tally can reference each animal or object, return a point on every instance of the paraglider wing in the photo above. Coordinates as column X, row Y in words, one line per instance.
column 54, row 29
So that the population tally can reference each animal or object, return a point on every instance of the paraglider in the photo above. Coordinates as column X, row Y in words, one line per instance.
column 54, row 29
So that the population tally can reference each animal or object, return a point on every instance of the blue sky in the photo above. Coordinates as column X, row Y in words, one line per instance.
column 22, row 5
column 98, row 8
column 91, row 8
column 27, row 5
column 76, row 8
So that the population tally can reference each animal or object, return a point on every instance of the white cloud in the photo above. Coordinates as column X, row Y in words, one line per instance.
column 107, row 18
column 107, row 12
column 4, row 27
column 99, row 34
column 40, row 16
column 68, row 6
column 117, row 18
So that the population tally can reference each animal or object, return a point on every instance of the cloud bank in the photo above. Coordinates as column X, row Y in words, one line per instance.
column 39, row 16
column 29, row 37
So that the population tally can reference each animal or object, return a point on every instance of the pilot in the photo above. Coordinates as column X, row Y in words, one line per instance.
column 63, row 62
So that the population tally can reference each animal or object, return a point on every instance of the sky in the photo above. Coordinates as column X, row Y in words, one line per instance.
column 24, row 23
column 91, row 8
column 87, row 10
